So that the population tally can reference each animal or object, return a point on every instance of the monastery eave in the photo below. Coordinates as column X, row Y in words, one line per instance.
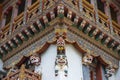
column 60, row 14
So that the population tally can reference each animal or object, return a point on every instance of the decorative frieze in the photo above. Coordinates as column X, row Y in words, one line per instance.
column 70, row 36
column 29, row 50
column 71, row 15
column 97, row 51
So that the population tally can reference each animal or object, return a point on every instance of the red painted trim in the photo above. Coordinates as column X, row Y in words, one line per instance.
column 19, row 2
column 99, row 72
column 91, row 75
column 103, row 1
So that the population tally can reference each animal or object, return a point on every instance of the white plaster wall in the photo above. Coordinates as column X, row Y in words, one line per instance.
column 112, row 77
column 118, row 73
column 1, row 65
column 116, row 76
column 74, row 64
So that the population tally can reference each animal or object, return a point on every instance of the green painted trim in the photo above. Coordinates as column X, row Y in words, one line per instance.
column 19, row 41
column 103, row 40
column 91, row 33
column 14, row 46
column 114, row 48
column 36, row 27
column 61, row 15
column 119, row 52
column 25, row 36
column 97, row 37
column 5, row 52
column 85, row 30
column 74, row 25
column 1, row 56
column 46, row 25
column 79, row 27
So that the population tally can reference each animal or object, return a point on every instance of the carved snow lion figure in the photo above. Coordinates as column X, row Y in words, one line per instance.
column 87, row 59
column 61, row 65
column 35, row 60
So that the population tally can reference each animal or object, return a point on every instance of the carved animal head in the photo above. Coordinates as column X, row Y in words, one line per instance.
column 35, row 59
column 87, row 59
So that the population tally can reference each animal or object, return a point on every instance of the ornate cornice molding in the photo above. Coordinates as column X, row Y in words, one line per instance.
column 27, row 44
column 39, row 45
column 69, row 18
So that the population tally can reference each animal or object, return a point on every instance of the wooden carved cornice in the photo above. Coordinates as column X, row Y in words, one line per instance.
column 73, row 41
column 61, row 14
column 26, row 44
column 41, row 49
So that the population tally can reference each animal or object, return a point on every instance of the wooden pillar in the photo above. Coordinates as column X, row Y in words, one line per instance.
column 92, row 2
column 80, row 6
column 118, row 17
column 109, row 16
column 22, row 72
column 2, row 16
column 40, row 6
column 99, row 71
column 14, row 14
column 3, row 20
column 0, row 12
column 29, row 3
column 106, row 8
column 91, row 75
column 15, row 8
column 96, row 10
column 25, row 12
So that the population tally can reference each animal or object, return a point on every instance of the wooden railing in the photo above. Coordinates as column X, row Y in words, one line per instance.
column 88, row 10
column 115, row 25
column 33, row 9
column 5, row 32
column 103, row 20
column 23, row 74
column 116, row 28
column 18, row 21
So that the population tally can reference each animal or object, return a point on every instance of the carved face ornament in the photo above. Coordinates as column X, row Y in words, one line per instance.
column 61, row 60
column 34, row 59
column 60, row 41
column 88, row 59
